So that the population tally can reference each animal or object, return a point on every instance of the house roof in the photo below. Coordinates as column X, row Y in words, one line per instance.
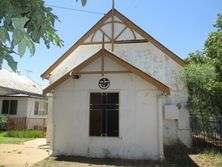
column 18, row 83
column 23, row 95
column 162, row 87
column 129, row 24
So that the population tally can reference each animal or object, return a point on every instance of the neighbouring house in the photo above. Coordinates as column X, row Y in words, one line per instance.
column 117, row 92
column 22, row 102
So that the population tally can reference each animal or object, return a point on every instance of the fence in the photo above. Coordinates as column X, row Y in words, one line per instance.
column 24, row 123
column 206, row 131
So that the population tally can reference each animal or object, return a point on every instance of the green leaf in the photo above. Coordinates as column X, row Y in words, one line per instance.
column 4, row 36
column 31, row 46
column 22, row 47
column 17, row 36
column 26, row 22
column 83, row 2
column 19, row 23
column 11, row 62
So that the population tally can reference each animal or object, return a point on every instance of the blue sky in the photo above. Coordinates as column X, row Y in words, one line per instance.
column 180, row 25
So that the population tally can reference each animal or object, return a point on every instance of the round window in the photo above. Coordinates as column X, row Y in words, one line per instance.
column 104, row 83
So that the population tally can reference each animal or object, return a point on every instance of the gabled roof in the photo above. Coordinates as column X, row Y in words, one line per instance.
column 116, row 59
column 18, row 83
column 136, row 31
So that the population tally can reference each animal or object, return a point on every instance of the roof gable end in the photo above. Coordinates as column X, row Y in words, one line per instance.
column 95, row 36
column 115, row 59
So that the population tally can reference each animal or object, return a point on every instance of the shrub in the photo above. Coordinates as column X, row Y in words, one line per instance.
column 3, row 121
column 24, row 134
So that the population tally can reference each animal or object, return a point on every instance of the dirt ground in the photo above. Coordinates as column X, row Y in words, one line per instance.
column 20, row 155
column 70, row 161
column 175, row 156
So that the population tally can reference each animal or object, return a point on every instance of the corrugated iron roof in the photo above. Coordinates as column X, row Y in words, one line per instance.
column 19, row 83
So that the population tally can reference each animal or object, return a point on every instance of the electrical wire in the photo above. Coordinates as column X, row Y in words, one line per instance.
column 77, row 10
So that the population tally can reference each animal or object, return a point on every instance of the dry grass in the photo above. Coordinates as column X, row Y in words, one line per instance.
column 207, row 158
column 179, row 155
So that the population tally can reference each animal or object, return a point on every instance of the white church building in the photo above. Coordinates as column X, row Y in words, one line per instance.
column 117, row 92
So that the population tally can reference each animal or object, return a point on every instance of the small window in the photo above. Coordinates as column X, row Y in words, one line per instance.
column 41, row 108
column 9, row 107
column 104, row 114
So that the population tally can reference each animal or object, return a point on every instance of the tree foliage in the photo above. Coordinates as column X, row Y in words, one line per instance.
column 204, row 75
column 22, row 24
column 197, row 57
column 83, row 2
column 3, row 121
column 199, row 77
column 213, row 46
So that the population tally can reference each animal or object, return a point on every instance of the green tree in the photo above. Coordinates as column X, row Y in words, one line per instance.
column 199, row 78
column 213, row 50
column 197, row 57
column 213, row 46
column 204, row 75
column 24, row 23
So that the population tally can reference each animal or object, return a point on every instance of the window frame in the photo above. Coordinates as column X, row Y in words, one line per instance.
column 9, row 107
column 101, row 136
column 37, row 114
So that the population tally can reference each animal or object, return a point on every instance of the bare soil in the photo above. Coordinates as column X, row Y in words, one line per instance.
column 175, row 156
column 20, row 155
column 70, row 161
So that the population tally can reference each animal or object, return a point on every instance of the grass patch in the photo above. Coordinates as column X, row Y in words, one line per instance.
column 23, row 134
column 18, row 137
column 12, row 140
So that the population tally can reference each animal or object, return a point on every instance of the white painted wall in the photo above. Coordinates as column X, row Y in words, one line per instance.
column 49, row 120
column 140, row 117
column 128, row 34
column 138, row 125
column 144, row 56
column 151, row 60
column 80, row 55
column 177, row 125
